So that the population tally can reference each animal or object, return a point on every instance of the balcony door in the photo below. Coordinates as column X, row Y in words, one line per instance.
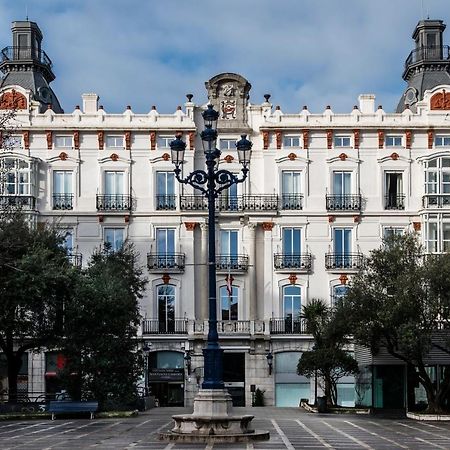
column 165, row 247
column 394, row 190
column 342, row 243
column 166, row 308
column 342, row 183
column 114, row 190
column 165, row 190
column 229, row 303
column 62, row 189
column 229, row 247
column 292, row 238
column 228, row 200
column 292, row 308
column 291, row 188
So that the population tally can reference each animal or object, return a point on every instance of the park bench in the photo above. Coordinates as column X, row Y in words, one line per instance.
column 70, row 407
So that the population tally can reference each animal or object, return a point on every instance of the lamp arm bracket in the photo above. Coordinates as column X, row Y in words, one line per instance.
column 196, row 179
column 225, row 179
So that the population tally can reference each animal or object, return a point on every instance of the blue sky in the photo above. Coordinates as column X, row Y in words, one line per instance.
column 152, row 52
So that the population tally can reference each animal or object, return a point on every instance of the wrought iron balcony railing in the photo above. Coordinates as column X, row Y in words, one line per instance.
column 114, row 202
column 344, row 261
column 236, row 263
column 394, row 201
column 23, row 53
column 436, row 201
column 300, row 262
column 343, row 202
column 63, row 201
column 76, row 259
column 291, row 201
column 431, row 53
column 225, row 203
column 166, row 202
column 17, row 201
column 165, row 262
column 288, row 326
column 155, row 326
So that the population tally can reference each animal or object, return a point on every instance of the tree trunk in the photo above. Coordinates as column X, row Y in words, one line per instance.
column 433, row 402
column 13, row 373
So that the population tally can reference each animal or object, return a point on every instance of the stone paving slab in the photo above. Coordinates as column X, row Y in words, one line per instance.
column 290, row 429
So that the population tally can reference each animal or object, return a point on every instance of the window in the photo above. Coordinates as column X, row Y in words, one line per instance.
column 228, row 144
column 389, row 232
column 165, row 191
column 291, row 141
column 228, row 303
column 11, row 142
column 228, row 257
column 437, row 233
column 114, row 141
column 114, row 238
column 342, row 183
column 165, row 241
column 114, row 182
column 228, row 200
column 394, row 141
column 166, row 308
column 63, row 141
column 292, row 241
column 68, row 241
column 292, row 308
column 164, row 141
column 342, row 245
column 442, row 141
column 394, row 197
column 342, row 141
column 16, row 178
column 339, row 292
column 291, row 189
column 437, row 182
column 62, row 189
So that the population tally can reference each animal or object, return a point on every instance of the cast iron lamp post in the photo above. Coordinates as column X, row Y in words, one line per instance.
column 211, row 182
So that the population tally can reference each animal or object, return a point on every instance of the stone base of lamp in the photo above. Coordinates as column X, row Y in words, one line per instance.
column 213, row 420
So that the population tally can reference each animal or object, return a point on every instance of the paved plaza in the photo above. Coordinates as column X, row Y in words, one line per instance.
column 289, row 429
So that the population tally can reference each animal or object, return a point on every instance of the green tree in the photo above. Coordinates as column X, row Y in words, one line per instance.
column 327, row 360
column 100, row 329
column 398, row 302
column 35, row 282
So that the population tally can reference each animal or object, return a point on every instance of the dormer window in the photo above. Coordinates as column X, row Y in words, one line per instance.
column 393, row 141
column 342, row 141
column 442, row 141
column 291, row 141
column 114, row 141
column 63, row 141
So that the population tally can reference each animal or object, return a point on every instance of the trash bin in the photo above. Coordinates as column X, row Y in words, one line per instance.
column 321, row 404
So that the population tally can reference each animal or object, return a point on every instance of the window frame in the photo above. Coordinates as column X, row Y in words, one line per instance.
column 290, row 139
column 64, row 137
column 231, row 144
column 224, row 295
column 394, row 138
column 166, row 139
column 115, row 137
column 338, row 141
column 113, row 246
column 444, row 138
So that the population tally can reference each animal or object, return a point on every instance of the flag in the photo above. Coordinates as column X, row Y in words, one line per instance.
column 229, row 279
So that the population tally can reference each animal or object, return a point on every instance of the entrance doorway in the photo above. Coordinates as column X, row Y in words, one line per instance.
column 168, row 394
column 234, row 376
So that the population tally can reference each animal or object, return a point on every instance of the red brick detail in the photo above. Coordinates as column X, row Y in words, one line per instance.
column 101, row 218
column 166, row 278
column 49, row 136
column 26, row 139
column 101, row 140
column 278, row 136
column 292, row 156
column 152, row 140
column 343, row 278
column 331, row 219
column 13, row 100
column 356, row 219
column 417, row 226
column 190, row 226
column 380, row 138
column 63, row 156
column 267, row 226
column 440, row 100
column 126, row 219
column 329, row 139
column 114, row 156
column 395, row 156
column 343, row 156
column 408, row 134
column 430, row 138
column 356, row 137
column 76, row 140
column 191, row 140
column 292, row 278
column 305, row 139
column 265, row 140
column 127, row 140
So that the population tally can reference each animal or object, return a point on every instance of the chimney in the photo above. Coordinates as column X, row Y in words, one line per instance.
column 90, row 103
column 367, row 103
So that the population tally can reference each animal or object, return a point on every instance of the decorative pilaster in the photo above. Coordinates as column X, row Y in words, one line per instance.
column 253, row 307
column 305, row 139
column 152, row 140
column 380, row 139
column 329, row 139
column 265, row 140
column 76, row 140
column 101, row 140
column 356, row 138
column 49, row 136
column 26, row 139
column 408, row 135
column 127, row 140
column 430, row 138
column 202, row 293
column 279, row 140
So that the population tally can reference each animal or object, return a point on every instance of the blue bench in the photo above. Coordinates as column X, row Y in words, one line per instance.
column 69, row 407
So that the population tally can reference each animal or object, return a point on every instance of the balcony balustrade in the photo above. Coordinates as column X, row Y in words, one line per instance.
column 155, row 326
column 231, row 204
column 232, row 263
column 436, row 201
column 349, row 261
column 163, row 262
column 291, row 202
column 300, row 262
column 166, row 202
column 16, row 53
column 430, row 53
column 75, row 259
column 233, row 326
column 394, row 201
column 62, row 201
column 343, row 202
column 114, row 202
column 26, row 202
column 288, row 326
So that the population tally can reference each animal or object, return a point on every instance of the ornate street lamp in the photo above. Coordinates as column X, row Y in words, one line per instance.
column 211, row 182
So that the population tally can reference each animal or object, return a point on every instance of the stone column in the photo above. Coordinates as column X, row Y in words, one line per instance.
column 202, row 279
column 267, row 283
column 253, row 309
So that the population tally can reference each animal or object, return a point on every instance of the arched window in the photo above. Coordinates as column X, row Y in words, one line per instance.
column 15, row 181
column 166, row 308
column 338, row 293
column 292, row 308
column 228, row 302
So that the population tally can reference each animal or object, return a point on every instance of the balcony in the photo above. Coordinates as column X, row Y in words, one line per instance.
column 114, row 202
column 155, row 326
column 231, row 204
column 394, row 201
column 291, row 202
column 26, row 202
column 348, row 261
column 436, row 201
column 75, row 259
column 431, row 53
column 233, row 326
column 231, row 263
column 62, row 201
column 163, row 262
column 343, row 202
column 23, row 53
column 300, row 262
column 166, row 202
column 287, row 326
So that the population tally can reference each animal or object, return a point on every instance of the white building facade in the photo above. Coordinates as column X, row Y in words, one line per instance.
column 323, row 190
